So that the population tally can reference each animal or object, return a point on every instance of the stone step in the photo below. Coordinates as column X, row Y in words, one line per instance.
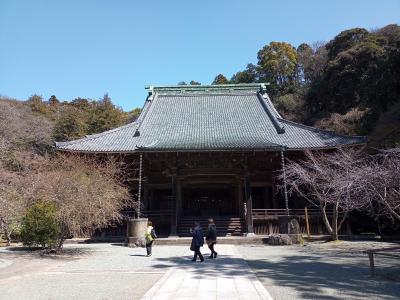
column 233, row 240
column 226, row 226
column 219, row 226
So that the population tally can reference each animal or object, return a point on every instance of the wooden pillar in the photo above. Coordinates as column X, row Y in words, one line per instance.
column 173, row 206
column 240, row 198
column 145, row 205
column 150, row 202
column 138, row 208
column 249, row 206
column 178, row 199
column 274, row 198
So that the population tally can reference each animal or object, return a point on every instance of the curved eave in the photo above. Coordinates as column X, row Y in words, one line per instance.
column 326, row 148
column 174, row 150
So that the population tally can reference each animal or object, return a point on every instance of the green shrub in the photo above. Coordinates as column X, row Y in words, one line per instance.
column 39, row 226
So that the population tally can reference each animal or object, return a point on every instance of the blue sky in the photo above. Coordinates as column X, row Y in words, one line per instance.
column 85, row 48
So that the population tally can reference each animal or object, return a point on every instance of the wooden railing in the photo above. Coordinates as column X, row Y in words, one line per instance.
column 148, row 213
column 281, row 212
column 156, row 213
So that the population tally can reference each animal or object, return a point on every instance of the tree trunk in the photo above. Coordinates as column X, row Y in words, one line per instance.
column 335, row 222
column 325, row 219
column 379, row 227
column 63, row 236
column 342, row 221
column 60, row 244
column 392, row 211
column 8, row 236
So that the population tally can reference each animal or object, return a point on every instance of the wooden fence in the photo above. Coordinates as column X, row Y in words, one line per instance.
column 267, row 221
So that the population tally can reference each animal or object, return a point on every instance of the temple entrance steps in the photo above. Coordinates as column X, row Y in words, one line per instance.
column 226, row 226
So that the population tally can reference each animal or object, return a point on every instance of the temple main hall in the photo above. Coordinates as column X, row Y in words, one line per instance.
column 213, row 151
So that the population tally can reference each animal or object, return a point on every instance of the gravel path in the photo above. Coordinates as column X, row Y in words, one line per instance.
column 323, row 271
column 94, row 271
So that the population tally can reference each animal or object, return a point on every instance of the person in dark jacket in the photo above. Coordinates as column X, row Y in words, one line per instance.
column 150, row 236
column 197, row 241
column 211, row 237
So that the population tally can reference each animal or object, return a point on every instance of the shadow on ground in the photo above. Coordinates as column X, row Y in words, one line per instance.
column 27, row 252
column 310, row 276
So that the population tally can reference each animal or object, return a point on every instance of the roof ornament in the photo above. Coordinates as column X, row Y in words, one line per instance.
column 263, row 87
column 150, row 88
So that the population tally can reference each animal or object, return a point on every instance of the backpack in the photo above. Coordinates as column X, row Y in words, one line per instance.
column 149, row 234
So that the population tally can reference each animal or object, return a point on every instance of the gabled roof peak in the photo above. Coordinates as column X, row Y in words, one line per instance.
column 214, row 88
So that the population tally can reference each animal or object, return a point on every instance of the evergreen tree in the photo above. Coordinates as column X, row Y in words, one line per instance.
column 220, row 79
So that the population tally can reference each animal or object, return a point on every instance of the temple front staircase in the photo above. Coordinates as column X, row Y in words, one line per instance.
column 226, row 226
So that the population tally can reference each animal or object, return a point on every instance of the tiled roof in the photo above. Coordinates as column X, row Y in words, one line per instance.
column 224, row 117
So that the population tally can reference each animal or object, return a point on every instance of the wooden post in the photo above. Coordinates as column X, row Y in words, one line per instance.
column 371, row 263
column 174, row 206
column 249, row 206
column 240, row 199
column 178, row 199
column 270, row 227
column 307, row 224
column 140, row 186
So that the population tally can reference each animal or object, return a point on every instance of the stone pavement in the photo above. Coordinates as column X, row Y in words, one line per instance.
column 227, row 277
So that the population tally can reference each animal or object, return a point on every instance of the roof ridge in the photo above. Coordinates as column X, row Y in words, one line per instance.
column 207, row 93
column 146, row 108
column 271, row 114
column 268, row 100
column 212, row 87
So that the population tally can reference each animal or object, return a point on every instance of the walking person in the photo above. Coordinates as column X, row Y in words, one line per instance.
column 150, row 236
column 211, row 237
column 197, row 241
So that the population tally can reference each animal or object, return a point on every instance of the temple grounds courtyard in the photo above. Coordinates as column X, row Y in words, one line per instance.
column 110, row 271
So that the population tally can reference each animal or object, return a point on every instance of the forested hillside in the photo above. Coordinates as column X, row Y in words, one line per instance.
column 350, row 84
column 56, row 120
column 29, row 128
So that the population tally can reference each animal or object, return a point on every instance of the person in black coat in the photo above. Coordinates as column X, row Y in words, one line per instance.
column 211, row 238
column 197, row 241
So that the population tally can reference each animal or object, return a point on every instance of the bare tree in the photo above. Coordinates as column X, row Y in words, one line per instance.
column 88, row 194
column 325, row 180
column 379, row 185
column 12, row 206
column 20, row 128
